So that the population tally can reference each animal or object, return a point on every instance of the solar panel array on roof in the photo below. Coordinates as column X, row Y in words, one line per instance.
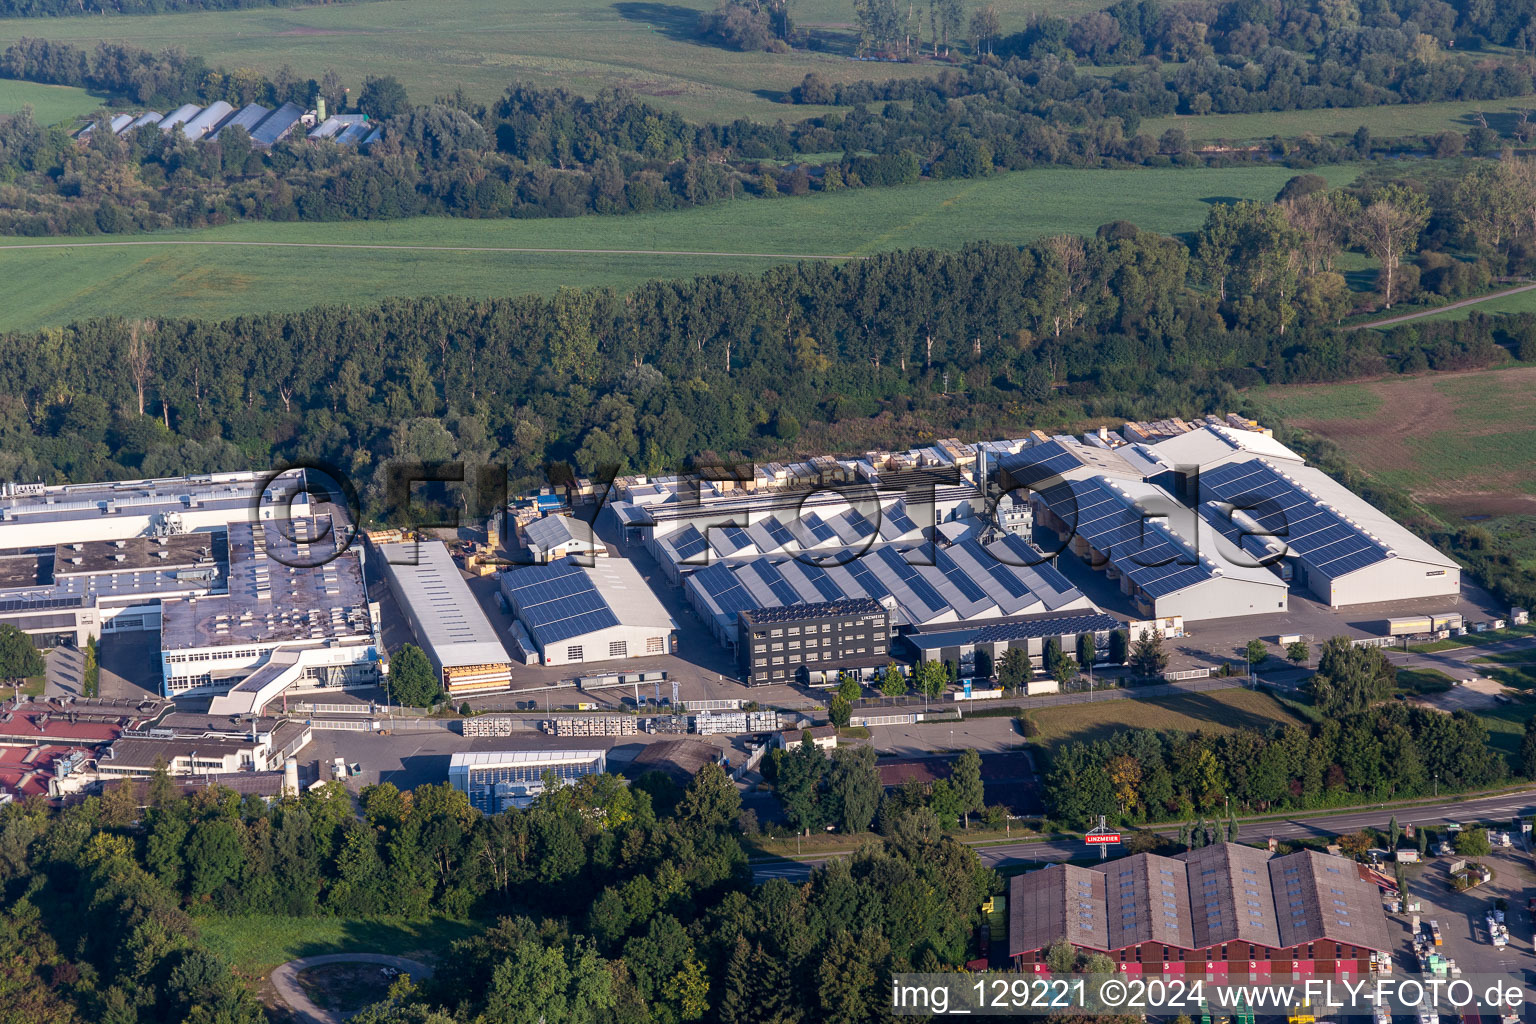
column 735, row 538
column 774, row 580
column 957, row 576
column 819, row 529
column 557, row 601
column 1140, row 548
column 1317, row 534
column 778, row 531
column 862, row 527
column 1030, row 559
column 722, row 586
column 824, row 584
column 1039, row 462
column 908, row 574
column 866, row 579
column 688, row 543
column 897, row 517
column 997, row 570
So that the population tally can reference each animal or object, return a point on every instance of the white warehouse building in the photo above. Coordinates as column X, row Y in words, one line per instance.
column 454, row 633
column 576, row 614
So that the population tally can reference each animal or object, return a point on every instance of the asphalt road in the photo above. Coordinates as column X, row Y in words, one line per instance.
column 1008, row 855
column 285, row 979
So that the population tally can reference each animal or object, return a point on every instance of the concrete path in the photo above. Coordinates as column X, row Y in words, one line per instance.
column 286, row 980
column 66, row 665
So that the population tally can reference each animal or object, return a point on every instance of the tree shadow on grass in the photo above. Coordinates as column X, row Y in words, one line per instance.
column 680, row 24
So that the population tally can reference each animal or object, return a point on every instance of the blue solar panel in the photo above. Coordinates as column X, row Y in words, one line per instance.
column 862, row 527
column 1140, row 548
column 958, row 576
column 866, row 579
column 736, row 537
column 557, row 601
column 688, row 543
column 779, row 532
column 775, row 580
column 820, row 530
column 997, row 569
column 1318, row 535
column 897, row 516
column 908, row 574
column 1038, row 463
column 721, row 584
column 821, row 581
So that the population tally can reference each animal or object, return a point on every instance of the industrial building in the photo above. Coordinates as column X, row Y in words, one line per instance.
column 961, row 578
column 457, row 638
column 497, row 780
column 1029, row 634
column 295, row 614
column 35, row 516
column 265, row 126
column 812, row 642
column 602, row 612
column 265, row 747
column 1218, row 910
column 555, row 537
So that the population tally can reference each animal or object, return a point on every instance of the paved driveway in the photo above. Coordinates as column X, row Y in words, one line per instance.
column 286, row 980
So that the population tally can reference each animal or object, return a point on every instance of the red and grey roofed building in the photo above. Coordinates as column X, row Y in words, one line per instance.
column 1219, row 910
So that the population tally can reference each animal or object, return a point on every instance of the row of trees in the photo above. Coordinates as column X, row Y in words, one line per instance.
column 844, row 790
column 548, row 153
column 612, row 902
column 1385, row 751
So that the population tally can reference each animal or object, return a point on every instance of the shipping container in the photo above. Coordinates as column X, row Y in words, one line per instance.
column 1409, row 625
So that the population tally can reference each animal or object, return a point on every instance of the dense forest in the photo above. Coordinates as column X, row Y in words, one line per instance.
column 1359, row 749
column 610, row 902
column 550, row 153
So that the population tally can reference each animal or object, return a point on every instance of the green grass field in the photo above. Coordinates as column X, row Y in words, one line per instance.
column 485, row 45
column 1214, row 711
column 50, row 103
column 56, row 285
column 1386, row 121
column 254, row 945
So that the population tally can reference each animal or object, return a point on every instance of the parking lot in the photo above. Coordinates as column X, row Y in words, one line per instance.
column 1461, row 917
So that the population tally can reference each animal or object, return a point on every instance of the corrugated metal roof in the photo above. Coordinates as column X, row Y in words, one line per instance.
column 248, row 117
column 277, row 124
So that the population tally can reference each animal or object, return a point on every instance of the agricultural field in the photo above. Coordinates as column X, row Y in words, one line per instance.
column 50, row 103
column 287, row 266
column 1383, row 121
column 1215, row 711
column 1458, row 443
column 485, row 45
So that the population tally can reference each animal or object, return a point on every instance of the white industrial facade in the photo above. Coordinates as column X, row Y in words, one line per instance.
column 495, row 780
column 295, row 615
column 457, row 638
column 578, row 614
column 34, row 516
